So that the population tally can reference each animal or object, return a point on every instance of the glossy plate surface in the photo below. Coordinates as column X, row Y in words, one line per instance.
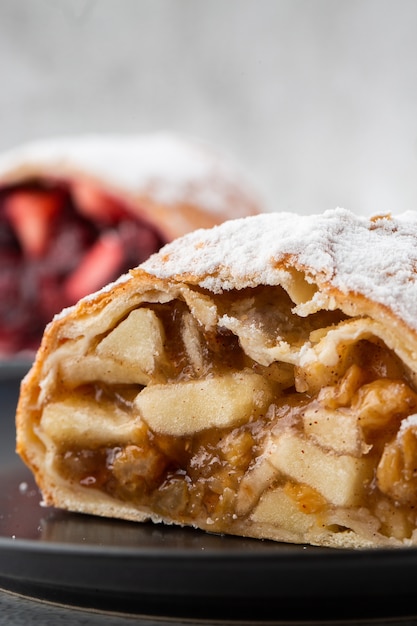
column 168, row 571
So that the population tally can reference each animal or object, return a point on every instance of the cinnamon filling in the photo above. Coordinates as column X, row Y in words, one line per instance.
column 207, row 434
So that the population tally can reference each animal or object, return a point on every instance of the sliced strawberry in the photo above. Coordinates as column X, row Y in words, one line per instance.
column 31, row 214
column 95, row 204
column 101, row 264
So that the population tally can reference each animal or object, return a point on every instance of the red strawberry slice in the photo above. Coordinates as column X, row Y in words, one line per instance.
column 101, row 264
column 31, row 214
column 95, row 204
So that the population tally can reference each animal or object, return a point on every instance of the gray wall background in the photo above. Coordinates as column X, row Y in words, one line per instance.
column 316, row 98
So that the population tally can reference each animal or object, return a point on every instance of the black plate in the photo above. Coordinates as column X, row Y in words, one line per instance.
column 166, row 571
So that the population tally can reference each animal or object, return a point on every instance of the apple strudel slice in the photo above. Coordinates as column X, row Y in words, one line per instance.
column 258, row 378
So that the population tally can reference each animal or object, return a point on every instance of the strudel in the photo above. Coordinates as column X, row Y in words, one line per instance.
column 258, row 378
column 76, row 212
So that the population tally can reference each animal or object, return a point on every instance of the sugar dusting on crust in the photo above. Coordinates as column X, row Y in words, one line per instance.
column 172, row 168
column 375, row 257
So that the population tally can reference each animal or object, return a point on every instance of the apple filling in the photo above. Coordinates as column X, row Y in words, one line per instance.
column 265, row 419
column 59, row 241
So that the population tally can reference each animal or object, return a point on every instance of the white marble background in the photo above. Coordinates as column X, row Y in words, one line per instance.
column 316, row 98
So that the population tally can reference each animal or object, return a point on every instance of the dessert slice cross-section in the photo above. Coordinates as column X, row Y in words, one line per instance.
column 258, row 378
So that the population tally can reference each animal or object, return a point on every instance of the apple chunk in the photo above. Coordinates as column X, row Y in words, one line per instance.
column 79, row 421
column 340, row 479
column 137, row 343
column 90, row 368
column 188, row 407
column 277, row 508
column 337, row 430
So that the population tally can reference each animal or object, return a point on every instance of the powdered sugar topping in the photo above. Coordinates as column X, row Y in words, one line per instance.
column 170, row 167
column 376, row 257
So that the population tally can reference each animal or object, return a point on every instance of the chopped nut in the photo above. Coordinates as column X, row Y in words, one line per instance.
column 384, row 402
column 397, row 470
column 309, row 500
column 342, row 393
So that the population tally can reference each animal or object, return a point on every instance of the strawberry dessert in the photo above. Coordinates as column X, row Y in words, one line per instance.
column 76, row 212
column 58, row 244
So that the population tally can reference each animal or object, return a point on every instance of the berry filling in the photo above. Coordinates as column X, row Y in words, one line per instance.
column 60, row 241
